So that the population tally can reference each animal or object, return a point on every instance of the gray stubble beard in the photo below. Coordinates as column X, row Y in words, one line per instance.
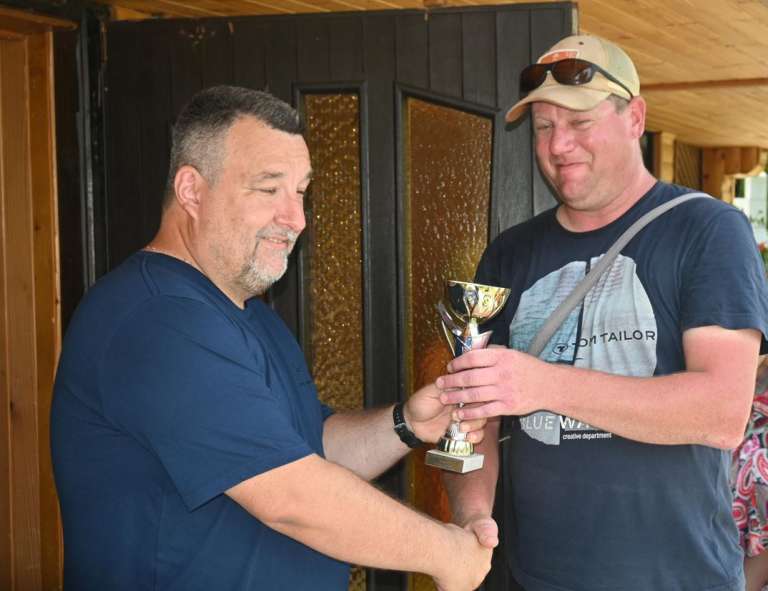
column 254, row 280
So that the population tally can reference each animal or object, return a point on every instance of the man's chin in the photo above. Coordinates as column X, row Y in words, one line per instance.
column 258, row 279
column 572, row 194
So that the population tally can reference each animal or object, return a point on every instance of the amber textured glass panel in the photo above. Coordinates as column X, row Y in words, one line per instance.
column 447, row 201
column 335, row 256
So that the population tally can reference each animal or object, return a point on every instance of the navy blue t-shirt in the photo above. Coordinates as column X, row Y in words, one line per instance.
column 167, row 395
column 588, row 510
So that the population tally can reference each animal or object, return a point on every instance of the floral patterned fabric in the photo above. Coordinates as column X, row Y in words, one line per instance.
column 750, row 473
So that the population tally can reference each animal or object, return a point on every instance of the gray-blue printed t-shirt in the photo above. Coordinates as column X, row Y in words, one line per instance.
column 586, row 509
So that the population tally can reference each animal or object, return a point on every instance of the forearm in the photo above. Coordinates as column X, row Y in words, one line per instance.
column 707, row 404
column 357, row 509
column 364, row 441
column 688, row 407
column 472, row 495
column 333, row 511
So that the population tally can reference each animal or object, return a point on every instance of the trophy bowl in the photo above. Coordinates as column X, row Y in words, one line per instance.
column 475, row 300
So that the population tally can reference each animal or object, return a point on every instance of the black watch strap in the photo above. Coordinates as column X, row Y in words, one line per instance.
column 401, row 428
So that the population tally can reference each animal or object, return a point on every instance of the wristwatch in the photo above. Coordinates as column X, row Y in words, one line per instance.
column 401, row 428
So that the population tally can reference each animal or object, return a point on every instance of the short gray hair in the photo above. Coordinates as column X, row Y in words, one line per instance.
column 198, row 134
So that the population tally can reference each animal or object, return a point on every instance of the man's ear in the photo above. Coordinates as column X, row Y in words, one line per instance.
column 188, row 185
column 637, row 109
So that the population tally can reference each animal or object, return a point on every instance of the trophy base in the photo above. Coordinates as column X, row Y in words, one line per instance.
column 452, row 463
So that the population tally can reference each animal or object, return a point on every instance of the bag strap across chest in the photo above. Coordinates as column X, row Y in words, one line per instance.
column 579, row 292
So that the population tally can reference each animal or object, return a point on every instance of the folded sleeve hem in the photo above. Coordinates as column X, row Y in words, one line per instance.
column 732, row 322
column 200, row 495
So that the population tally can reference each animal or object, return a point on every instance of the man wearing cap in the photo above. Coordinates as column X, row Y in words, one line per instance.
column 614, row 463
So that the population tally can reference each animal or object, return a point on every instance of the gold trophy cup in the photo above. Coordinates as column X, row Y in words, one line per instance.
column 469, row 305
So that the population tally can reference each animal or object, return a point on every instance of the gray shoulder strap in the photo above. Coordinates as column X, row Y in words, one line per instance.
column 580, row 291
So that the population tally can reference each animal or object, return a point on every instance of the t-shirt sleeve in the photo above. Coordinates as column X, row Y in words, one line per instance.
column 326, row 411
column 723, row 277
column 180, row 378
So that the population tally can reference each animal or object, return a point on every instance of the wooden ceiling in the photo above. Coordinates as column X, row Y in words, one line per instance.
column 703, row 64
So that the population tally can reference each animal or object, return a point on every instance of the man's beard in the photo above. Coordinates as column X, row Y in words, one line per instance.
column 255, row 279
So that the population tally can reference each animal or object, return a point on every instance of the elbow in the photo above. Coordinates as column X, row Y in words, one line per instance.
column 277, row 508
column 728, row 435
column 282, row 515
column 727, row 441
column 730, row 422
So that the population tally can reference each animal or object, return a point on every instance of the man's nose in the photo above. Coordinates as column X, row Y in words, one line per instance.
column 561, row 140
column 291, row 213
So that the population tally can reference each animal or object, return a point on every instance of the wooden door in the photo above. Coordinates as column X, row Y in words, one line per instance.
column 405, row 115
column 30, row 545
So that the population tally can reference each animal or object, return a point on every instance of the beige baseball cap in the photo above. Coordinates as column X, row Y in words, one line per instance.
column 584, row 97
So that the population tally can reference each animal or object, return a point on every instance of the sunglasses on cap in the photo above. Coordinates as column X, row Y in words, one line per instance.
column 571, row 72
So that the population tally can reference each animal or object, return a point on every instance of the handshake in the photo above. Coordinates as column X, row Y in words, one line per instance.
column 467, row 566
column 458, row 557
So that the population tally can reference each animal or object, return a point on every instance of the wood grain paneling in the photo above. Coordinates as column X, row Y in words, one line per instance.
column 21, row 369
column 674, row 41
column 513, row 48
column 412, row 48
column 313, row 48
column 664, row 157
column 19, row 24
column 546, row 26
column 70, row 218
column 153, row 129
column 671, row 42
column 344, row 33
column 478, row 50
column 126, row 200
column 445, row 56
column 688, row 165
column 30, row 555
column 47, row 295
column 7, row 558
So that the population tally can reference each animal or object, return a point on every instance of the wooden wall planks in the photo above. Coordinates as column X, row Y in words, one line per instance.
column 7, row 518
column 45, row 238
column 688, row 42
column 30, row 553
column 20, row 370
column 670, row 40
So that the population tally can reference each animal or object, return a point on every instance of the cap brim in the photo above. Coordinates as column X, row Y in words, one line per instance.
column 576, row 98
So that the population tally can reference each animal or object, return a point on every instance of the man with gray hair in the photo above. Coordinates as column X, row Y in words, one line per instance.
column 615, row 464
column 190, row 449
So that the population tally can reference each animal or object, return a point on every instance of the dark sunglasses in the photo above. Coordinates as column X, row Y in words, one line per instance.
column 571, row 72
